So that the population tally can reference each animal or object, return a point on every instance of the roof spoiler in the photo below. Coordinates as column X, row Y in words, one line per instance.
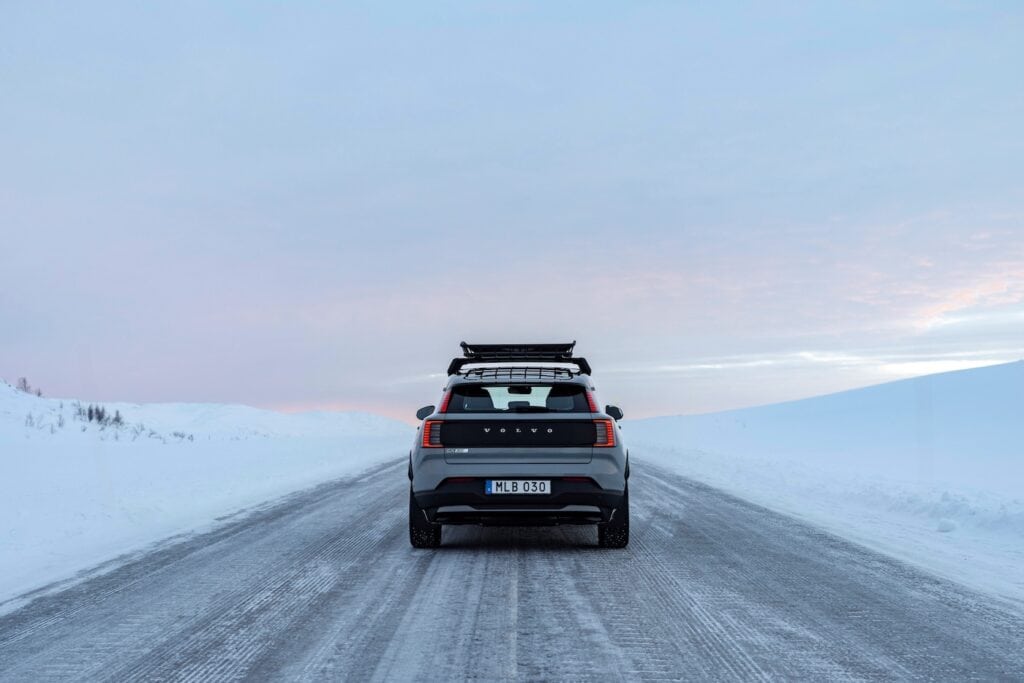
column 517, row 353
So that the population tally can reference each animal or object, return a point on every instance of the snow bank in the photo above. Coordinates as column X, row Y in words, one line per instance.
column 74, row 493
column 929, row 469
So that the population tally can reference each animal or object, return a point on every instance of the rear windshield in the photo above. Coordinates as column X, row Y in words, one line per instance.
column 519, row 398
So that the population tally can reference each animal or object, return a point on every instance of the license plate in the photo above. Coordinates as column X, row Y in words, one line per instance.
column 517, row 486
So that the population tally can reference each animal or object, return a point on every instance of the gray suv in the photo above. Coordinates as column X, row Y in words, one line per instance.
column 518, row 439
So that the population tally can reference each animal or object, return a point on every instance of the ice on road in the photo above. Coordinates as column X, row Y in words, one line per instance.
column 324, row 586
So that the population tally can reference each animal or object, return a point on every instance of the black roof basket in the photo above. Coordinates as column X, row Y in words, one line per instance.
column 517, row 353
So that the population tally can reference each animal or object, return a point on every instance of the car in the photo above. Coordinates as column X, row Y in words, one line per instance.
column 518, row 438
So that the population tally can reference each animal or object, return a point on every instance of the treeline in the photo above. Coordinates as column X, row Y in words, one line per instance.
column 98, row 414
column 23, row 385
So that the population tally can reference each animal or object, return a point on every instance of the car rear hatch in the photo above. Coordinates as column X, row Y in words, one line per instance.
column 521, row 440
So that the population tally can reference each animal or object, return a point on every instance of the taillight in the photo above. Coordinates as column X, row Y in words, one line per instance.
column 445, row 400
column 432, row 434
column 605, row 436
column 592, row 402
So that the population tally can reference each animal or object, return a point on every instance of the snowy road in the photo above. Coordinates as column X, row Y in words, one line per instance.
column 324, row 586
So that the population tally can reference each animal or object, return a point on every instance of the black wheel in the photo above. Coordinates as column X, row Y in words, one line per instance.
column 422, row 534
column 615, row 534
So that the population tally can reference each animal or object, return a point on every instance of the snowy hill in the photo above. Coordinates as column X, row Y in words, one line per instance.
column 930, row 469
column 75, row 492
column 201, row 420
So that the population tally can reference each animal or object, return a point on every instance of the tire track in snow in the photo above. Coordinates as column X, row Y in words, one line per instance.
column 236, row 629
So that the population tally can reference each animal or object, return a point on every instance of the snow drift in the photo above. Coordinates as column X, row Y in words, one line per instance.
column 929, row 469
column 74, row 492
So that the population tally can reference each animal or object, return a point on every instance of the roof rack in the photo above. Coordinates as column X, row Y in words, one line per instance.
column 520, row 373
column 517, row 353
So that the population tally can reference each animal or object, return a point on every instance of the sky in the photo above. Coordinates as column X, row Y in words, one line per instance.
column 309, row 205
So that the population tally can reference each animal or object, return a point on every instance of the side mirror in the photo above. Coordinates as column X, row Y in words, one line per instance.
column 614, row 412
column 424, row 412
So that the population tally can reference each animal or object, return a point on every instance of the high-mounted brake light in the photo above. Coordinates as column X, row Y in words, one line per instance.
column 605, row 437
column 591, row 401
column 432, row 434
column 445, row 400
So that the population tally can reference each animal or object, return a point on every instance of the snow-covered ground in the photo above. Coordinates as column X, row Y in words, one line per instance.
column 929, row 469
column 74, row 493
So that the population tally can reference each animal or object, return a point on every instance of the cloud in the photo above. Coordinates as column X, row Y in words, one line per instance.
column 929, row 367
column 988, row 291
column 909, row 362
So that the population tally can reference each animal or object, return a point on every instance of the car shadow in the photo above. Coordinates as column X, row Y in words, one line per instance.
column 575, row 537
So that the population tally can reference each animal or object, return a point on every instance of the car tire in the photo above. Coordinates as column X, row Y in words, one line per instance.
column 615, row 534
column 422, row 534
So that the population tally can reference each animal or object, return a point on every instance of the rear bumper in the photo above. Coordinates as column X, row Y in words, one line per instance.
column 570, row 502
